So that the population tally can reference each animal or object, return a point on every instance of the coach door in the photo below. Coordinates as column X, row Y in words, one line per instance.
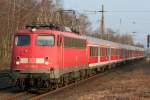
column 109, row 53
column 99, row 55
column 60, row 50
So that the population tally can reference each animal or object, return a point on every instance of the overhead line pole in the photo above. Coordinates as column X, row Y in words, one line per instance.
column 148, row 41
column 102, row 28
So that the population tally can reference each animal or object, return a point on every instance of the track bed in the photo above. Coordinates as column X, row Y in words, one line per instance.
column 127, row 82
column 124, row 82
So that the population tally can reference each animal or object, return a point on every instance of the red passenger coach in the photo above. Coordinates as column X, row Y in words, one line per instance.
column 45, row 56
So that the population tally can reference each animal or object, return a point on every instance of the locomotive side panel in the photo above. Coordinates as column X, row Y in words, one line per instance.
column 74, row 54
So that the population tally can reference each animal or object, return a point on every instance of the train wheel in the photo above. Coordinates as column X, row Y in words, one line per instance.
column 60, row 82
column 103, row 69
column 39, row 83
column 46, row 84
column 22, row 84
column 66, row 80
column 17, row 83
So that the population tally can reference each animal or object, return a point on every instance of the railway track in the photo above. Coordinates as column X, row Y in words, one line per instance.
column 7, row 91
column 4, row 73
column 78, row 83
column 7, row 87
column 32, row 96
column 21, row 95
column 38, row 97
column 14, row 94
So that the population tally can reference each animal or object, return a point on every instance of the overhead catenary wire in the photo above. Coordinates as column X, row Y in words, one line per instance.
column 113, row 11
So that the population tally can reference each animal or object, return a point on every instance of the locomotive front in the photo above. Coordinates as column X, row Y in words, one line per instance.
column 33, row 57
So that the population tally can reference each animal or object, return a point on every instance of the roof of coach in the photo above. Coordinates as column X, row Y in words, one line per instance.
column 72, row 34
column 55, row 29
column 96, row 41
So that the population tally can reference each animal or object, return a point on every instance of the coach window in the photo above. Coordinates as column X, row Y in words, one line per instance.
column 45, row 40
column 112, row 51
column 108, row 51
column 103, row 51
column 118, row 52
column 22, row 40
column 93, row 51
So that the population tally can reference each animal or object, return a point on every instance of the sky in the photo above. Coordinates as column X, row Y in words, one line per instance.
column 125, row 16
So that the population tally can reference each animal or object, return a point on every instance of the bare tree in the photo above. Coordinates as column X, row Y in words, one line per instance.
column 15, row 14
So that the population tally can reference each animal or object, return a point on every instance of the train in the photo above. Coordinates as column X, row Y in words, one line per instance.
column 49, row 56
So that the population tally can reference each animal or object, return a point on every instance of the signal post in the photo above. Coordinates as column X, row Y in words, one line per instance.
column 148, row 49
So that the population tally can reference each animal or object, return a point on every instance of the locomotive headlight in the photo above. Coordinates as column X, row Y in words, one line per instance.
column 17, row 62
column 46, row 63
column 33, row 30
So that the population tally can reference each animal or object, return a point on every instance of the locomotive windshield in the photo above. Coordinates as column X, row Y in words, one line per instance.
column 45, row 40
column 22, row 40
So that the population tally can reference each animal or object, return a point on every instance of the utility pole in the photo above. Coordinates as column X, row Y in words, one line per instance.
column 148, row 49
column 102, row 28
column 148, row 40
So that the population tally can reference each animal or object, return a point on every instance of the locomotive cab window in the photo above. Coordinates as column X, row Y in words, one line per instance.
column 45, row 40
column 22, row 40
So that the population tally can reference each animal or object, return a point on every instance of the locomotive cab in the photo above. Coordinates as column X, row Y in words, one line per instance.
column 34, row 53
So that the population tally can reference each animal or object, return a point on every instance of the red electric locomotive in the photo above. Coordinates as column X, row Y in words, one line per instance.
column 46, row 56
column 42, row 54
